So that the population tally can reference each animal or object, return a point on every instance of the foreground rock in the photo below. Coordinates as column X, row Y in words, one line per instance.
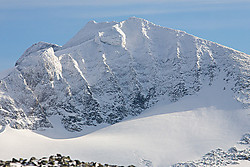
column 53, row 160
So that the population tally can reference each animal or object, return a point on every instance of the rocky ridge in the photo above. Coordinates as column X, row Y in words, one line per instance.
column 219, row 157
column 110, row 71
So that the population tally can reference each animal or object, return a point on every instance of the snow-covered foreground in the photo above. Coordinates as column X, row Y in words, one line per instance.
column 163, row 135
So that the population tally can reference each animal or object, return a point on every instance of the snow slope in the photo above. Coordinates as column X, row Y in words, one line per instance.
column 177, row 133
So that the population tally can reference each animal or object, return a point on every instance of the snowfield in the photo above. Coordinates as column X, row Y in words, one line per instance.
column 164, row 135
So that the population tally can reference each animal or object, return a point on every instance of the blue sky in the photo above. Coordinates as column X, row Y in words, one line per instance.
column 25, row 22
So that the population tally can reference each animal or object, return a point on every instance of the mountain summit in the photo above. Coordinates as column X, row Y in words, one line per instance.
column 113, row 70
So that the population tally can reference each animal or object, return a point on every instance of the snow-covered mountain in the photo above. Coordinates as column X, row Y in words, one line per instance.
column 115, row 70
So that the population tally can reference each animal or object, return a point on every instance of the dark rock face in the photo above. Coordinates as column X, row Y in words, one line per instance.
column 109, row 71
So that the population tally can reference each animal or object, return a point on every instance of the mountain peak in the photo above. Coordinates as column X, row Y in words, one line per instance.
column 36, row 47
column 92, row 29
column 133, row 25
column 109, row 71
column 91, row 22
column 137, row 19
column 88, row 32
